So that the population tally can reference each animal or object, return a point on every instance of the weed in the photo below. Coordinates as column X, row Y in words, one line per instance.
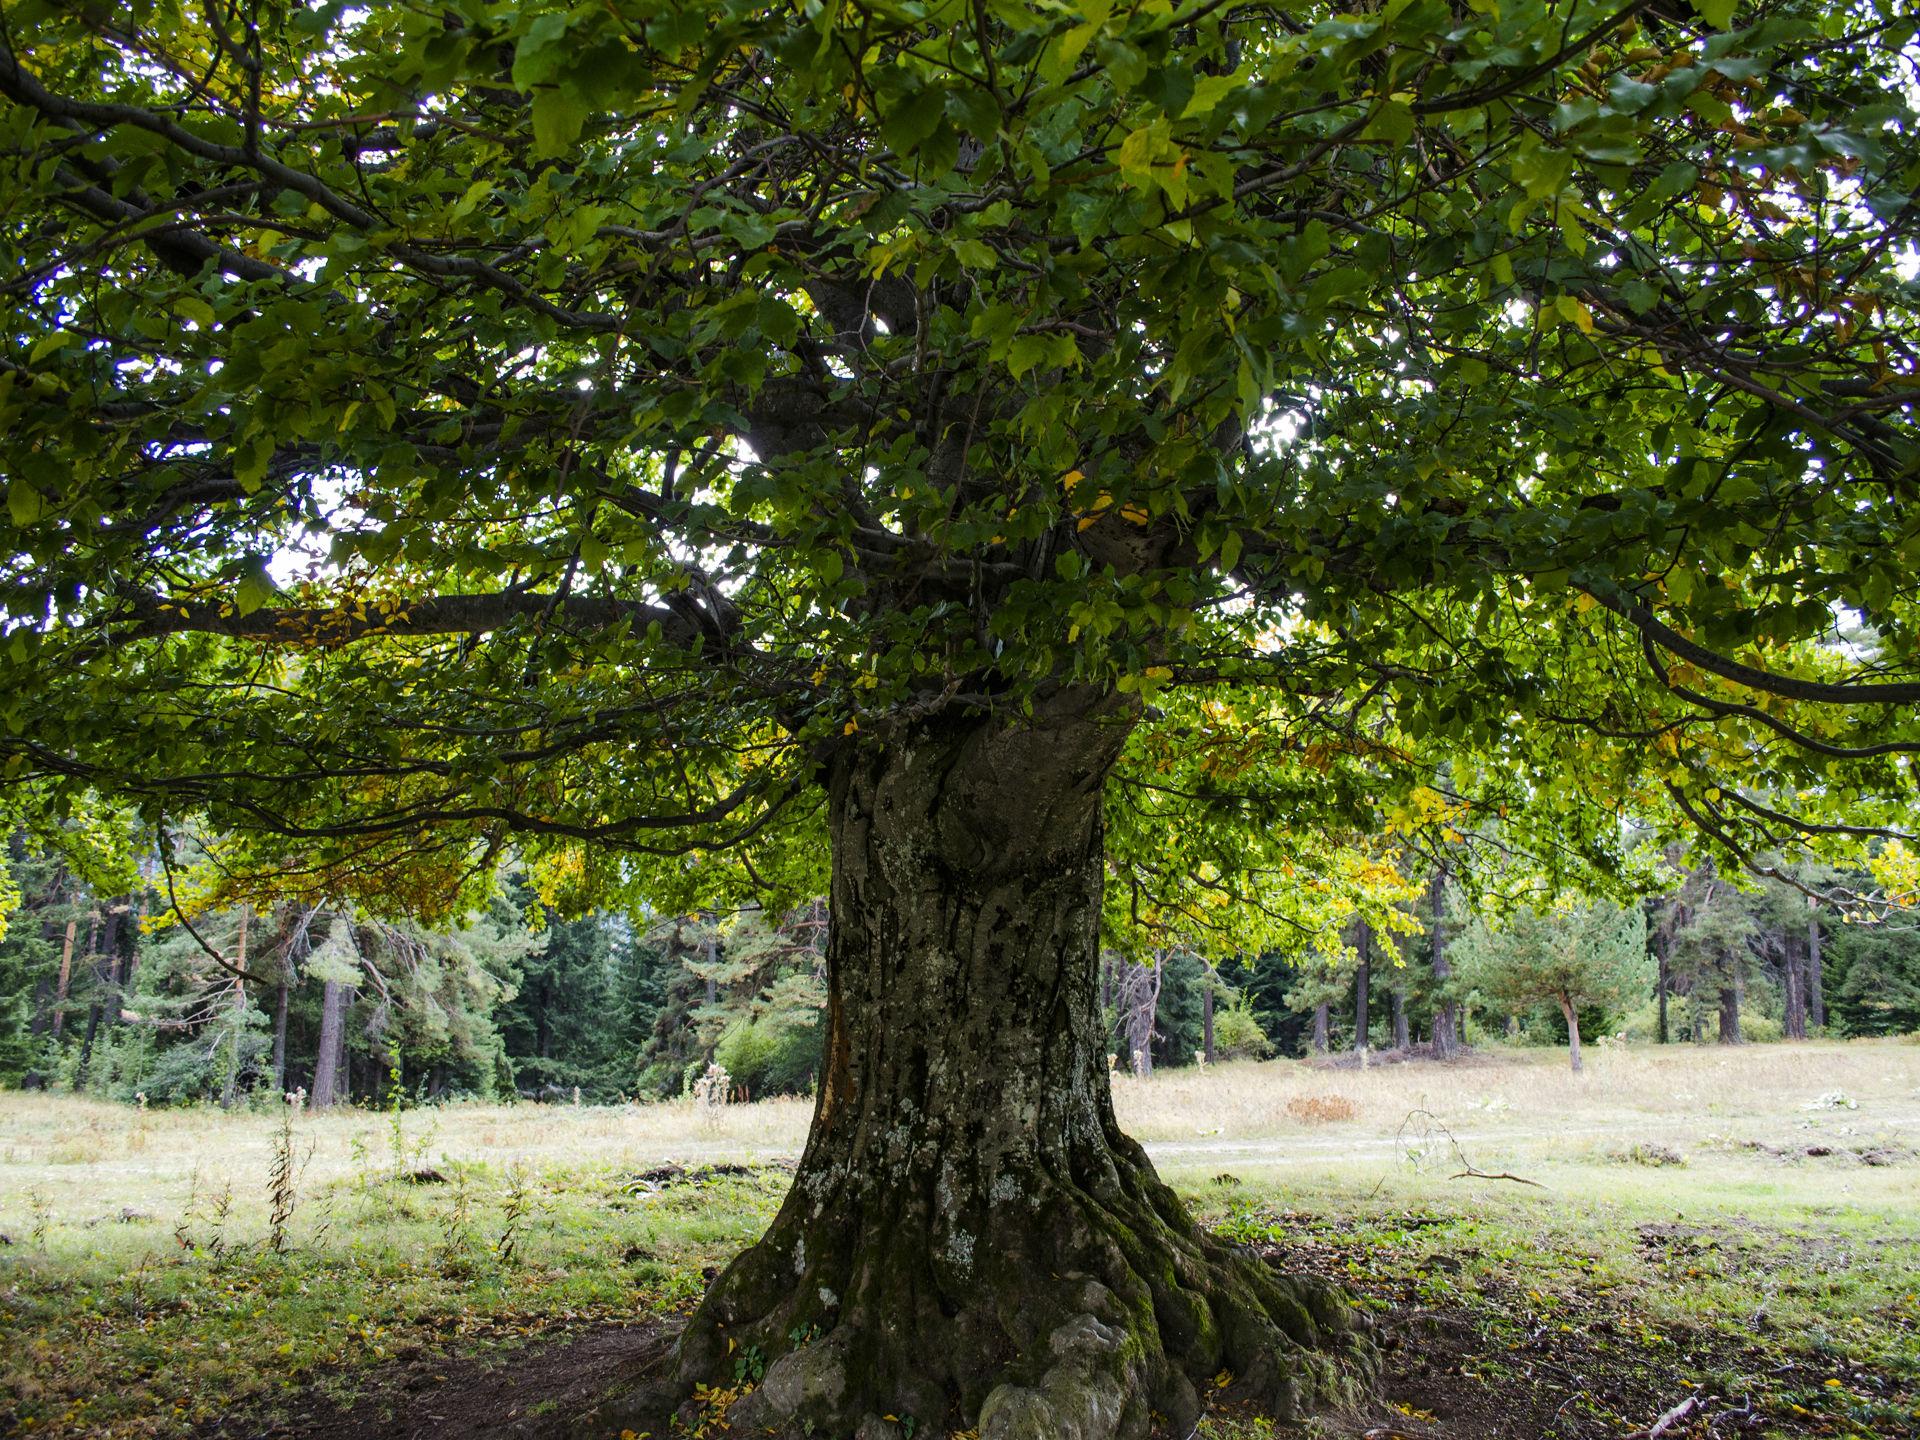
column 1321, row 1109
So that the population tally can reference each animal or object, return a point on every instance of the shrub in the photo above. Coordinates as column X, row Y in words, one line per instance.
column 771, row 1055
column 1237, row 1034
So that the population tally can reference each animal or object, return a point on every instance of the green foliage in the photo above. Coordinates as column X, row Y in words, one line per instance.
column 585, row 457
column 1596, row 956
column 1237, row 1034
column 772, row 1054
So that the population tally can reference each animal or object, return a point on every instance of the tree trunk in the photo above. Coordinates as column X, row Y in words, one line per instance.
column 280, row 1035
column 66, row 977
column 1729, row 1013
column 1206, row 1015
column 970, row 1240
column 1322, row 1028
column 1663, row 982
column 1446, row 1015
column 1816, row 996
column 1794, row 986
column 230, row 1091
column 1362, row 984
column 106, row 981
column 1573, row 1032
column 327, row 1067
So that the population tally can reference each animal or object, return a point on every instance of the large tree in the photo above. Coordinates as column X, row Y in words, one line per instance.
column 993, row 447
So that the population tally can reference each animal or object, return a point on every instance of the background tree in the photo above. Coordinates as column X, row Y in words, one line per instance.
column 1591, row 957
column 936, row 446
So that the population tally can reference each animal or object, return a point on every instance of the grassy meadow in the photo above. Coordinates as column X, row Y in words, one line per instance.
column 1735, row 1231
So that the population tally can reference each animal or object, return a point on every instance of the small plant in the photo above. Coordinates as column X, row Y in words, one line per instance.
column 712, row 1091
column 396, row 1128
column 456, row 1243
column 283, row 1176
column 514, row 1214
column 42, row 1217
column 749, row 1366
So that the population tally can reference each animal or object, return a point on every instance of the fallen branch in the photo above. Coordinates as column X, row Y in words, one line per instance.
column 1668, row 1420
column 1472, row 1174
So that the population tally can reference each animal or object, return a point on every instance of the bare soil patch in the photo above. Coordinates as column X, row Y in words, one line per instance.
column 529, row 1392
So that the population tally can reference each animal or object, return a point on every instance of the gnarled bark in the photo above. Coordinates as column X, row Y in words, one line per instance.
column 970, row 1240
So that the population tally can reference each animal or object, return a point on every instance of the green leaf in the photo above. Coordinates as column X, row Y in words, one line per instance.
column 24, row 503
column 1230, row 550
column 254, row 591
column 1717, row 13
column 558, row 118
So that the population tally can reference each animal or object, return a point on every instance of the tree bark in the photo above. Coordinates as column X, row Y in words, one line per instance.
column 66, row 977
column 1729, row 1012
column 327, row 1066
column 1362, row 984
column 1573, row 1032
column 1793, row 983
column 1446, row 1016
column 230, row 1091
column 1816, row 996
column 1322, row 1028
column 970, row 1240
column 1206, row 1015
column 1661, row 985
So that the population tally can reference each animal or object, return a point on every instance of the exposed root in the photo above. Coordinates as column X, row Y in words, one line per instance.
column 1093, row 1318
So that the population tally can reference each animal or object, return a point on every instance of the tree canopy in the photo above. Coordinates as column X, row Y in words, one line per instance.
column 430, row 430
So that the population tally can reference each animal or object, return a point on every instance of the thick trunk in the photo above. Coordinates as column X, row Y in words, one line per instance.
column 1446, row 1017
column 1816, row 997
column 1322, row 1028
column 970, row 1241
column 1729, row 1013
column 1573, row 1032
column 1362, row 984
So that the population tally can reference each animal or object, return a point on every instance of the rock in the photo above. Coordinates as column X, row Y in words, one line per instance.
column 810, row 1379
column 876, row 1428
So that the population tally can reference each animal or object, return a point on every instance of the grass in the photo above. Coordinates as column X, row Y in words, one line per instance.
column 141, row 1297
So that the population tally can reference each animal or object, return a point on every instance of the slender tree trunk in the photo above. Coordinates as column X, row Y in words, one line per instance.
column 66, row 977
column 281, row 992
column 327, row 1066
column 230, row 1091
column 1663, row 982
column 1322, row 1028
column 1573, row 1032
column 106, row 982
column 969, row 1237
column 1816, row 995
column 1794, row 986
column 1206, row 1015
column 1446, row 1014
column 1362, row 985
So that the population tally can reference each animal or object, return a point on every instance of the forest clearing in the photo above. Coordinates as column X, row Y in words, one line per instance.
column 960, row 719
column 1736, row 1225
